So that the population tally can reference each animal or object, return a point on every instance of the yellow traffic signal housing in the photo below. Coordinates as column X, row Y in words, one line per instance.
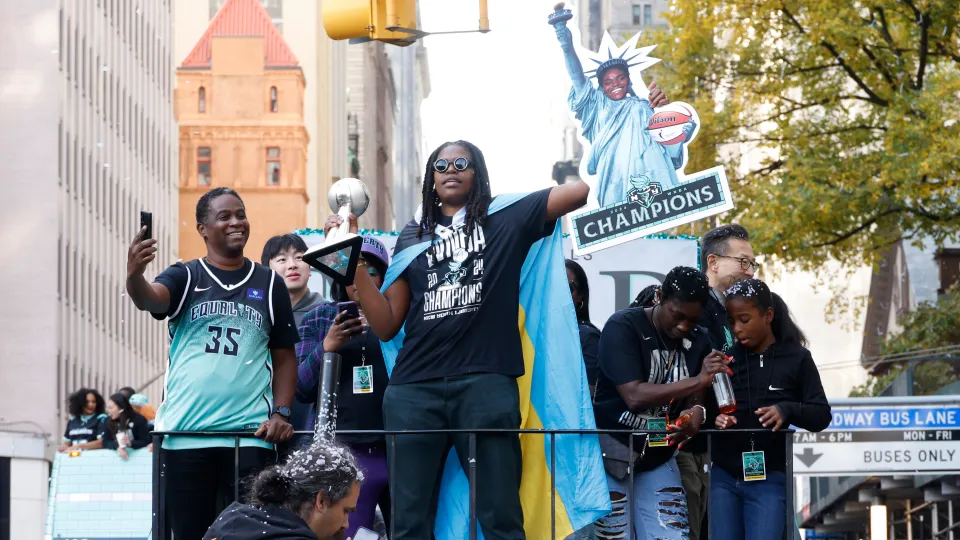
column 391, row 21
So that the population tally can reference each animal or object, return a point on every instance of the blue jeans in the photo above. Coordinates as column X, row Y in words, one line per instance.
column 747, row 510
column 659, row 508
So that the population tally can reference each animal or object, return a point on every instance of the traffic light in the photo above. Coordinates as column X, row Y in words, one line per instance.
column 390, row 21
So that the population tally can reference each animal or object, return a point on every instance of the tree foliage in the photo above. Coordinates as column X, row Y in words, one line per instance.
column 930, row 326
column 838, row 123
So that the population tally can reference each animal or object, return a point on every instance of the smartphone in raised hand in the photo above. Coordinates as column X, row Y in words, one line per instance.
column 146, row 220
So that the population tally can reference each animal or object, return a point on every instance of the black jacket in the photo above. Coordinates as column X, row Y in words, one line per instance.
column 248, row 522
column 786, row 377
column 714, row 319
column 138, row 431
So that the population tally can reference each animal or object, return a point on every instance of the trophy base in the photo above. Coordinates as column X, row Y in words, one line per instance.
column 337, row 259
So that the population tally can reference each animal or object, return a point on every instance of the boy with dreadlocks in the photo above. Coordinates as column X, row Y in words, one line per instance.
column 457, row 303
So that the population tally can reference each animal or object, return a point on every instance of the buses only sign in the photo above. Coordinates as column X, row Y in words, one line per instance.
column 882, row 440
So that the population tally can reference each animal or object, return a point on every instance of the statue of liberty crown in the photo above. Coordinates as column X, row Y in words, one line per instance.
column 624, row 57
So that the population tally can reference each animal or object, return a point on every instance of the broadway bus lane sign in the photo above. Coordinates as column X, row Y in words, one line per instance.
column 882, row 440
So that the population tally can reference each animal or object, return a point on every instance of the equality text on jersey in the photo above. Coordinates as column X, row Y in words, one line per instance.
column 226, row 308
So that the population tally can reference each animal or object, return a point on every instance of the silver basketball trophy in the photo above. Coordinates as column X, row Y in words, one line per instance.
column 337, row 256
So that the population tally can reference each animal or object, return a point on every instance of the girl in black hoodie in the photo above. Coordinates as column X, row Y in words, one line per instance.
column 776, row 385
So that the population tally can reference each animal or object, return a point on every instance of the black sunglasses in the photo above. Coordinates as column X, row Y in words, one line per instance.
column 460, row 164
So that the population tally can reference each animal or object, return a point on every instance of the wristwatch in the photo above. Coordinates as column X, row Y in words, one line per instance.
column 282, row 411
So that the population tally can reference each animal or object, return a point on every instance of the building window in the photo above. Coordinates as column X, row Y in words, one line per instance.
column 202, row 100
column 273, row 99
column 273, row 166
column 647, row 15
column 203, row 166
column 636, row 14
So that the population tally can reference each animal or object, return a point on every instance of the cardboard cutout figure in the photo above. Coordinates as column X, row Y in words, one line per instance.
column 634, row 155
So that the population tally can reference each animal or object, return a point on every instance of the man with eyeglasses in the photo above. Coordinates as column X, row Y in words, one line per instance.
column 727, row 259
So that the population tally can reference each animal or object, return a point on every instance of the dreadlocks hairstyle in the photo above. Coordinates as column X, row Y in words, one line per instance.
column 647, row 297
column 715, row 242
column 785, row 330
column 581, row 285
column 477, row 202
column 203, row 205
column 685, row 284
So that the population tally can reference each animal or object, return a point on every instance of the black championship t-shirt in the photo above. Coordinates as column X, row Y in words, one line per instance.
column 631, row 350
column 358, row 406
column 465, row 295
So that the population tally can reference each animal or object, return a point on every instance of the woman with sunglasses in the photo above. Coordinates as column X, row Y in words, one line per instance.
column 363, row 379
column 457, row 304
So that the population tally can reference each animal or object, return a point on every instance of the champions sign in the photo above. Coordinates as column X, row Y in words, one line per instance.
column 635, row 145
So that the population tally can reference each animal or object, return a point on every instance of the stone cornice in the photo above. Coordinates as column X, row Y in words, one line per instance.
column 245, row 133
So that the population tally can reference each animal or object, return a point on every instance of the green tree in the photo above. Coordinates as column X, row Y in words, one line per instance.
column 930, row 326
column 849, row 113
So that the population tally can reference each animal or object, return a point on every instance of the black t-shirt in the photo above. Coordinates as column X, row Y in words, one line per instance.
column 590, row 345
column 465, row 295
column 360, row 411
column 631, row 350
column 283, row 334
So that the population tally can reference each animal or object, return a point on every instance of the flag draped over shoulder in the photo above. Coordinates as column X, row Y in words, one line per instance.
column 554, row 394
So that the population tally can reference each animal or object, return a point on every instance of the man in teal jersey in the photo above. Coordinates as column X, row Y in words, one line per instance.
column 232, row 364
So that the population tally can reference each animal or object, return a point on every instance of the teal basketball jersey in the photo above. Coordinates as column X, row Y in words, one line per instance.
column 220, row 374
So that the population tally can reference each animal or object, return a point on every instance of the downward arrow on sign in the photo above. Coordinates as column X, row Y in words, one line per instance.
column 808, row 458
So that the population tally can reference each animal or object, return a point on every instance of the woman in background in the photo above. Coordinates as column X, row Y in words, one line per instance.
column 125, row 429
column 589, row 334
column 86, row 415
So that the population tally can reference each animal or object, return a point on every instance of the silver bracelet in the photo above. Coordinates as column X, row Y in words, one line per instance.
column 704, row 409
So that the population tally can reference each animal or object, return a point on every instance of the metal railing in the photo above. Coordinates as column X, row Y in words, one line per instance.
column 159, row 530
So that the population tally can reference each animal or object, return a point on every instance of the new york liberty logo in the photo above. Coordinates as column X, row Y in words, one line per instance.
column 644, row 190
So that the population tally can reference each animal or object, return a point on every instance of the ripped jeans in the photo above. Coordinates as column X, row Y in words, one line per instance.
column 659, row 509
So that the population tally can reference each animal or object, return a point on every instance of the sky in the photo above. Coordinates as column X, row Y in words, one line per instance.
column 504, row 91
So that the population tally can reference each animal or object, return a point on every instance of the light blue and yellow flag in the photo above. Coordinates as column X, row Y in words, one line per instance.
column 554, row 394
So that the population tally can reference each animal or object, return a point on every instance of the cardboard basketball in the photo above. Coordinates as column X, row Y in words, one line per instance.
column 667, row 123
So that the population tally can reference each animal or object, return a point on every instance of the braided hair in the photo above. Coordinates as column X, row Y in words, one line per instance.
column 685, row 284
column 477, row 202
column 756, row 292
